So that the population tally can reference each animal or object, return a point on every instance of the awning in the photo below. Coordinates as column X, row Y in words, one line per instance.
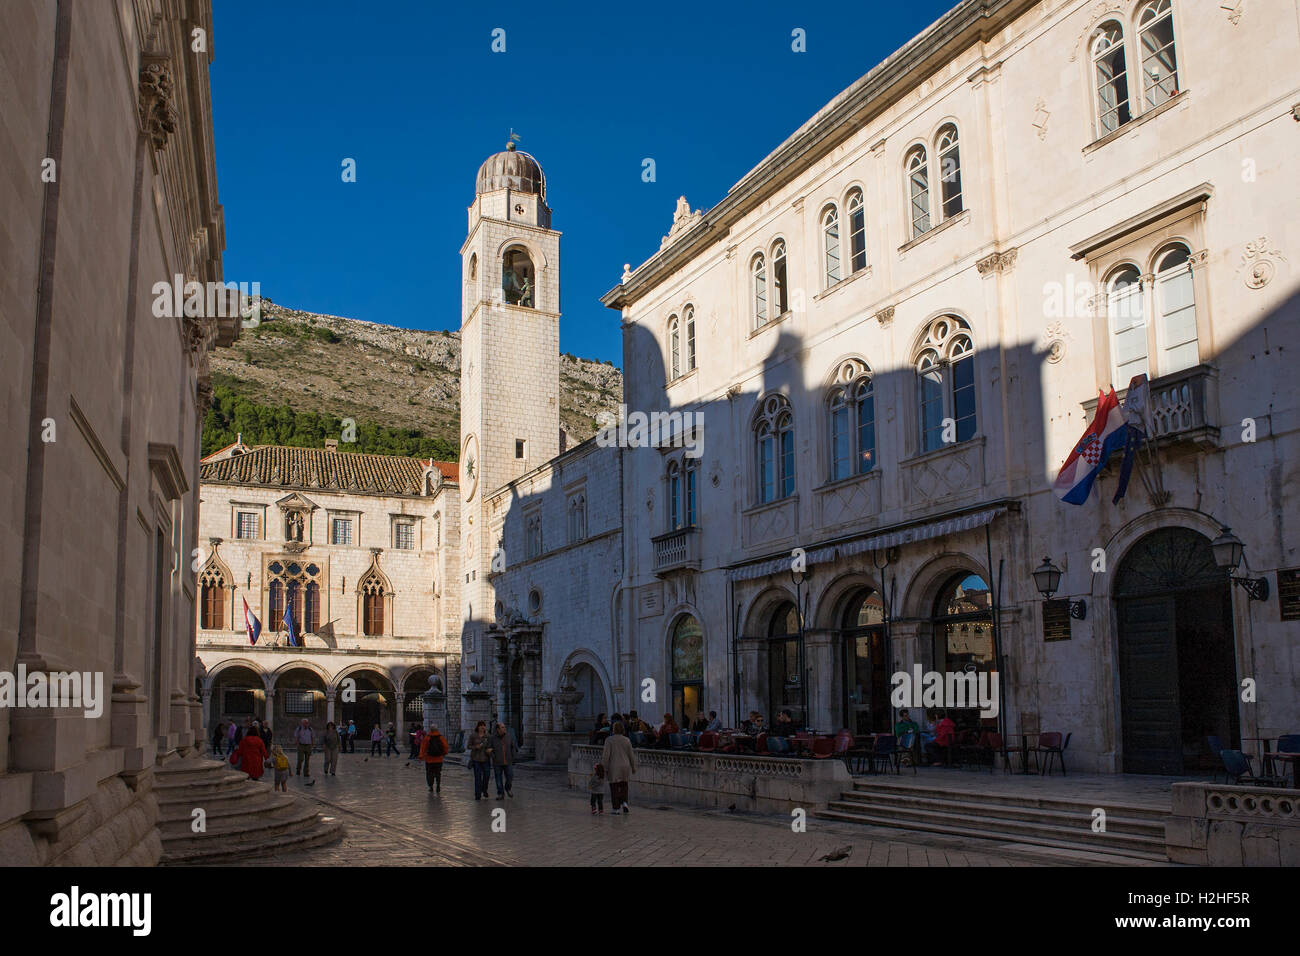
column 889, row 539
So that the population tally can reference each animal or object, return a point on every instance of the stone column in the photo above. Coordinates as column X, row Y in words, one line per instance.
column 269, row 716
column 823, row 681
column 400, row 699
column 532, row 677
column 206, row 742
column 545, row 712
column 329, row 705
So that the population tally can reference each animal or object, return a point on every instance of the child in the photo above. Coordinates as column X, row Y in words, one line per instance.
column 596, row 787
column 281, row 764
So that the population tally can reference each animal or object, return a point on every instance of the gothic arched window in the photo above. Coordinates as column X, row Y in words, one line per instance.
column 212, row 594
column 774, row 447
column 674, row 348
column 918, row 187
column 372, row 606
column 857, row 231
column 853, row 421
column 780, row 287
column 945, row 368
column 689, row 320
column 831, row 244
column 758, row 274
column 1159, row 57
column 949, row 154
column 1110, row 78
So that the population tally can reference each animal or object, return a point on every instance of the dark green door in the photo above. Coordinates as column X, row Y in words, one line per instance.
column 1148, row 674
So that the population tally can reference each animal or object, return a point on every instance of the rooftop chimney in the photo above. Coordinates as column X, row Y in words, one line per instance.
column 331, row 444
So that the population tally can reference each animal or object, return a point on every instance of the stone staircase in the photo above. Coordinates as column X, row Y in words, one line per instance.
column 244, row 818
column 1132, row 830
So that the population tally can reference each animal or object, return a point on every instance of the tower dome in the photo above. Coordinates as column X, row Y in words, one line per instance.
column 511, row 169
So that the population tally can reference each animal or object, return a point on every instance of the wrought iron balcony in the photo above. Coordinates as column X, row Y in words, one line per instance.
column 678, row 550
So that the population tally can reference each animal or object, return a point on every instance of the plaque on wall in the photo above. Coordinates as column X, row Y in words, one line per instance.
column 1288, row 593
column 1056, row 620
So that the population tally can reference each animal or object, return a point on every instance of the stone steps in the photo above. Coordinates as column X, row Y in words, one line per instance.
column 244, row 818
column 1132, row 830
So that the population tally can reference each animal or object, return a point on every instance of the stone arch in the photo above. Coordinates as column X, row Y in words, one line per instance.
column 828, row 608
column 210, row 678
column 360, row 666
column 760, row 608
column 923, row 587
column 273, row 678
column 1102, row 613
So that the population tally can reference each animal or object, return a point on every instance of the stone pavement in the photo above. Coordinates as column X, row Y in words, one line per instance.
column 392, row 820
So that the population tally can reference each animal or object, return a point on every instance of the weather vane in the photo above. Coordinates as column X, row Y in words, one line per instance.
column 514, row 137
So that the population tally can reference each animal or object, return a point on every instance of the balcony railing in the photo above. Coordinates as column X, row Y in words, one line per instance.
column 1181, row 406
column 677, row 550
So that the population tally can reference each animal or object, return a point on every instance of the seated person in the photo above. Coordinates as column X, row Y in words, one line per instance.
column 714, row 724
column 784, row 726
column 664, row 731
column 945, row 732
column 906, row 725
column 700, row 724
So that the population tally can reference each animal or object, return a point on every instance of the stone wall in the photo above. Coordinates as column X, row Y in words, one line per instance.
column 761, row 784
column 1225, row 825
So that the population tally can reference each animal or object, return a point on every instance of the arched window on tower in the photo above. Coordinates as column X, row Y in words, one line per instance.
column 853, row 421
column 1159, row 57
column 831, row 244
column 857, row 231
column 689, row 315
column 779, row 285
column 1111, row 78
column 372, row 606
column 918, row 187
column 949, row 171
column 518, row 280
column 774, row 447
column 945, row 369
column 212, row 595
column 758, row 273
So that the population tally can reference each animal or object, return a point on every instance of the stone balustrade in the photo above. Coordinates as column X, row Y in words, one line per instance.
column 1231, row 825
column 765, row 784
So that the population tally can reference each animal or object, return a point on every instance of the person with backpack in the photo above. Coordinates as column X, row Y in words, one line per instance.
column 433, row 747
column 280, row 763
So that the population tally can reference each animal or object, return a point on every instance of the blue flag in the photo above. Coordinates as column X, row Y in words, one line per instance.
column 289, row 624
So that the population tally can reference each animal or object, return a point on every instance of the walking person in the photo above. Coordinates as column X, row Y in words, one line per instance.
column 596, row 787
column 352, row 736
column 268, row 738
column 503, row 750
column 416, row 735
column 280, row 763
column 330, row 744
column 376, row 742
column 218, row 738
column 433, row 747
column 250, row 756
column 232, row 737
column 619, row 761
column 479, row 758
column 304, row 737
column 392, row 741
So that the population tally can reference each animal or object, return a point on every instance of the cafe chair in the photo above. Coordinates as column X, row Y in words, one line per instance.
column 885, row 753
column 823, row 747
column 1050, row 744
column 1237, row 766
column 906, row 743
column 708, row 742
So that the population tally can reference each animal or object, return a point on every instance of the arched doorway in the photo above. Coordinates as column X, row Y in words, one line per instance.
column 962, row 628
column 299, row 693
column 593, row 702
column 866, row 668
column 688, row 669
column 784, row 672
column 1177, row 666
column 238, row 695
column 369, row 702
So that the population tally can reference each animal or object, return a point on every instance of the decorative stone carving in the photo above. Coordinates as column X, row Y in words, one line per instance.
column 1041, row 116
column 567, row 700
column 1235, row 9
column 1259, row 262
column 158, row 116
column 885, row 316
column 997, row 263
column 683, row 219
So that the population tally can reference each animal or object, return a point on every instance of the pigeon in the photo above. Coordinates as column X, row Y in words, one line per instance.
column 841, row 854
column 731, row 809
column 311, row 783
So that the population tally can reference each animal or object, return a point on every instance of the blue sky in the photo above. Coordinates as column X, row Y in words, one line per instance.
column 413, row 92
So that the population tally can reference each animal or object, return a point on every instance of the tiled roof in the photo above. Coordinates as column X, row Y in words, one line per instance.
column 282, row 466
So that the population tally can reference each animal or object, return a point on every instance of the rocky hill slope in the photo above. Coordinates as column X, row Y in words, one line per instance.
column 381, row 375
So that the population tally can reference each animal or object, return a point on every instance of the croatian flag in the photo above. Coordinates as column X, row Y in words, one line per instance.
column 288, row 623
column 251, row 624
column 1107, row 433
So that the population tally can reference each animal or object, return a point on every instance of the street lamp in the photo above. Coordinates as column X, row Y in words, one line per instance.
column 1047, row 578
column 1228, row 554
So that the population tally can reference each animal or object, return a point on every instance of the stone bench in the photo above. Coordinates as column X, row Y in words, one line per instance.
column 764, row 784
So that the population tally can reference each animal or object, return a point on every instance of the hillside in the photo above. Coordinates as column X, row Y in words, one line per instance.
column 291, row 379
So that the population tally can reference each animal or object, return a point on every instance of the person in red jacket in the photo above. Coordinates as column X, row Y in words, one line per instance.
column 944, row 732
column 432, row 749
column 250, row 755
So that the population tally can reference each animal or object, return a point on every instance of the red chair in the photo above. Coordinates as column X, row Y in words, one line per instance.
column 843, row 744
column 760, row 744
column 1051, row 745
column 823, row 747
column 708, row 742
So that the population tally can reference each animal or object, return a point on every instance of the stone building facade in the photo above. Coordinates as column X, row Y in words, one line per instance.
column 108, row 189
column 365, row 550
column 894, row 330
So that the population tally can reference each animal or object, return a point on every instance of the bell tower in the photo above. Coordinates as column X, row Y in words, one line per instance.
column 510, row 364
